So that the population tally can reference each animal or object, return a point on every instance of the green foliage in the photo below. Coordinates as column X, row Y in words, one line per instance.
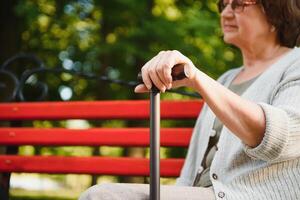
column 117, row 37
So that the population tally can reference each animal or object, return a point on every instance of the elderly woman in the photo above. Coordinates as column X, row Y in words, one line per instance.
column 246, row 140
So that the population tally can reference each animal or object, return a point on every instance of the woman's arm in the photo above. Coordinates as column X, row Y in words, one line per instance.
column 244, row 118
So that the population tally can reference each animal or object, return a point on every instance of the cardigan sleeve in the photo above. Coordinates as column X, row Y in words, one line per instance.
column 282, row 134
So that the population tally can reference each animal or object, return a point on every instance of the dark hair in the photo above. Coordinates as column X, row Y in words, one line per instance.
column 284, row 15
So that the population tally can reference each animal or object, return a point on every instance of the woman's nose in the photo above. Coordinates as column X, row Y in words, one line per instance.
column 227, row 12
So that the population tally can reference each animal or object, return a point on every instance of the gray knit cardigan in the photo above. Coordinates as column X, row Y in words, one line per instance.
column 272, row 169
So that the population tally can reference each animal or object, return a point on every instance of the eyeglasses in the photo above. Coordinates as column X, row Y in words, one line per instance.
column 236, row 5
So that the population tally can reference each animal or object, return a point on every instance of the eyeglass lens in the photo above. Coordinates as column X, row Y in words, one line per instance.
column 236, row 5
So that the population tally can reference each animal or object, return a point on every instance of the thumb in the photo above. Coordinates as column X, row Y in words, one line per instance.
column 141, row 88
column 179, row 83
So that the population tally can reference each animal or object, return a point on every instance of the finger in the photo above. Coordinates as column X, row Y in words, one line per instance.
column 156, row 80
column 145, row 70
column 167, row 71
column 164, row 69
column 153, row 74
column 159, row 65
column 179, row 57
column 141, row 88
column 145, row 76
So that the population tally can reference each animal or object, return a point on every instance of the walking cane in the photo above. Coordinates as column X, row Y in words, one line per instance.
column 154, row 144
column 177, row 74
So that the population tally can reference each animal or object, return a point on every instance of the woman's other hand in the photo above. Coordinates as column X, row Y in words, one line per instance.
column 158, row 71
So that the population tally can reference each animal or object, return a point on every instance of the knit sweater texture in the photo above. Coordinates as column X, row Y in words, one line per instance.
column 272, row 169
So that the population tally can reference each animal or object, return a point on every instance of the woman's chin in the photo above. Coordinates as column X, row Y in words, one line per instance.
column 229, row 39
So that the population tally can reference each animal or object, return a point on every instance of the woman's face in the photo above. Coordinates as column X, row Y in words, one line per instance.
column 244, row 26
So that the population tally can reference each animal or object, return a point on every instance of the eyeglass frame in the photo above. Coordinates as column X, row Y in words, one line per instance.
column 235, row 5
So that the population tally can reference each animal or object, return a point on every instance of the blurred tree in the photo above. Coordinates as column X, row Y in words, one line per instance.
column 113, row 38
column 117, row 37
column 11, row 29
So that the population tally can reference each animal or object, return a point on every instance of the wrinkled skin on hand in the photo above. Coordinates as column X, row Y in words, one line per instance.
column 158, row 71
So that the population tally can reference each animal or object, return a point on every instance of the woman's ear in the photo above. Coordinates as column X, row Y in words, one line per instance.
column 272, row 29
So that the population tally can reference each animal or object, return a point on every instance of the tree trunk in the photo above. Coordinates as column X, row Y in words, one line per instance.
column 10, row 34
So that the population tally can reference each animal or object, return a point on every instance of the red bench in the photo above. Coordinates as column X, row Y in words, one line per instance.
column 124, row 137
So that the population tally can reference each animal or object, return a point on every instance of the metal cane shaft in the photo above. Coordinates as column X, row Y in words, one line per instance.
column 154, row 144
column 177, row 74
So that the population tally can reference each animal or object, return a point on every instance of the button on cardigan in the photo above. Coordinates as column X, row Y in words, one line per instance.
column 272, row 169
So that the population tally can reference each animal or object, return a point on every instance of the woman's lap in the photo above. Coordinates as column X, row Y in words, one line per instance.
column 118, row 191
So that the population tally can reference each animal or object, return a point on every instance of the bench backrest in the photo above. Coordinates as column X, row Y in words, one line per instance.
column 124, row 137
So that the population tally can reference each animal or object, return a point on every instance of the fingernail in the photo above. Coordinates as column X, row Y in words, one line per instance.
column 148, row 86
column 169, row 86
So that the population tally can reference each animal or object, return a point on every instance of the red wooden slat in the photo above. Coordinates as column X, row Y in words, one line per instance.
column 87, row 165
column 92, row 137
column 135, row 109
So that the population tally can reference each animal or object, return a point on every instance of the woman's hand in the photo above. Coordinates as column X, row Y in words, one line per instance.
column 158, row 71
column 244, row 118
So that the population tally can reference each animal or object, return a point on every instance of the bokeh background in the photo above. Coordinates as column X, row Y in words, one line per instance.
column 105, row 37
